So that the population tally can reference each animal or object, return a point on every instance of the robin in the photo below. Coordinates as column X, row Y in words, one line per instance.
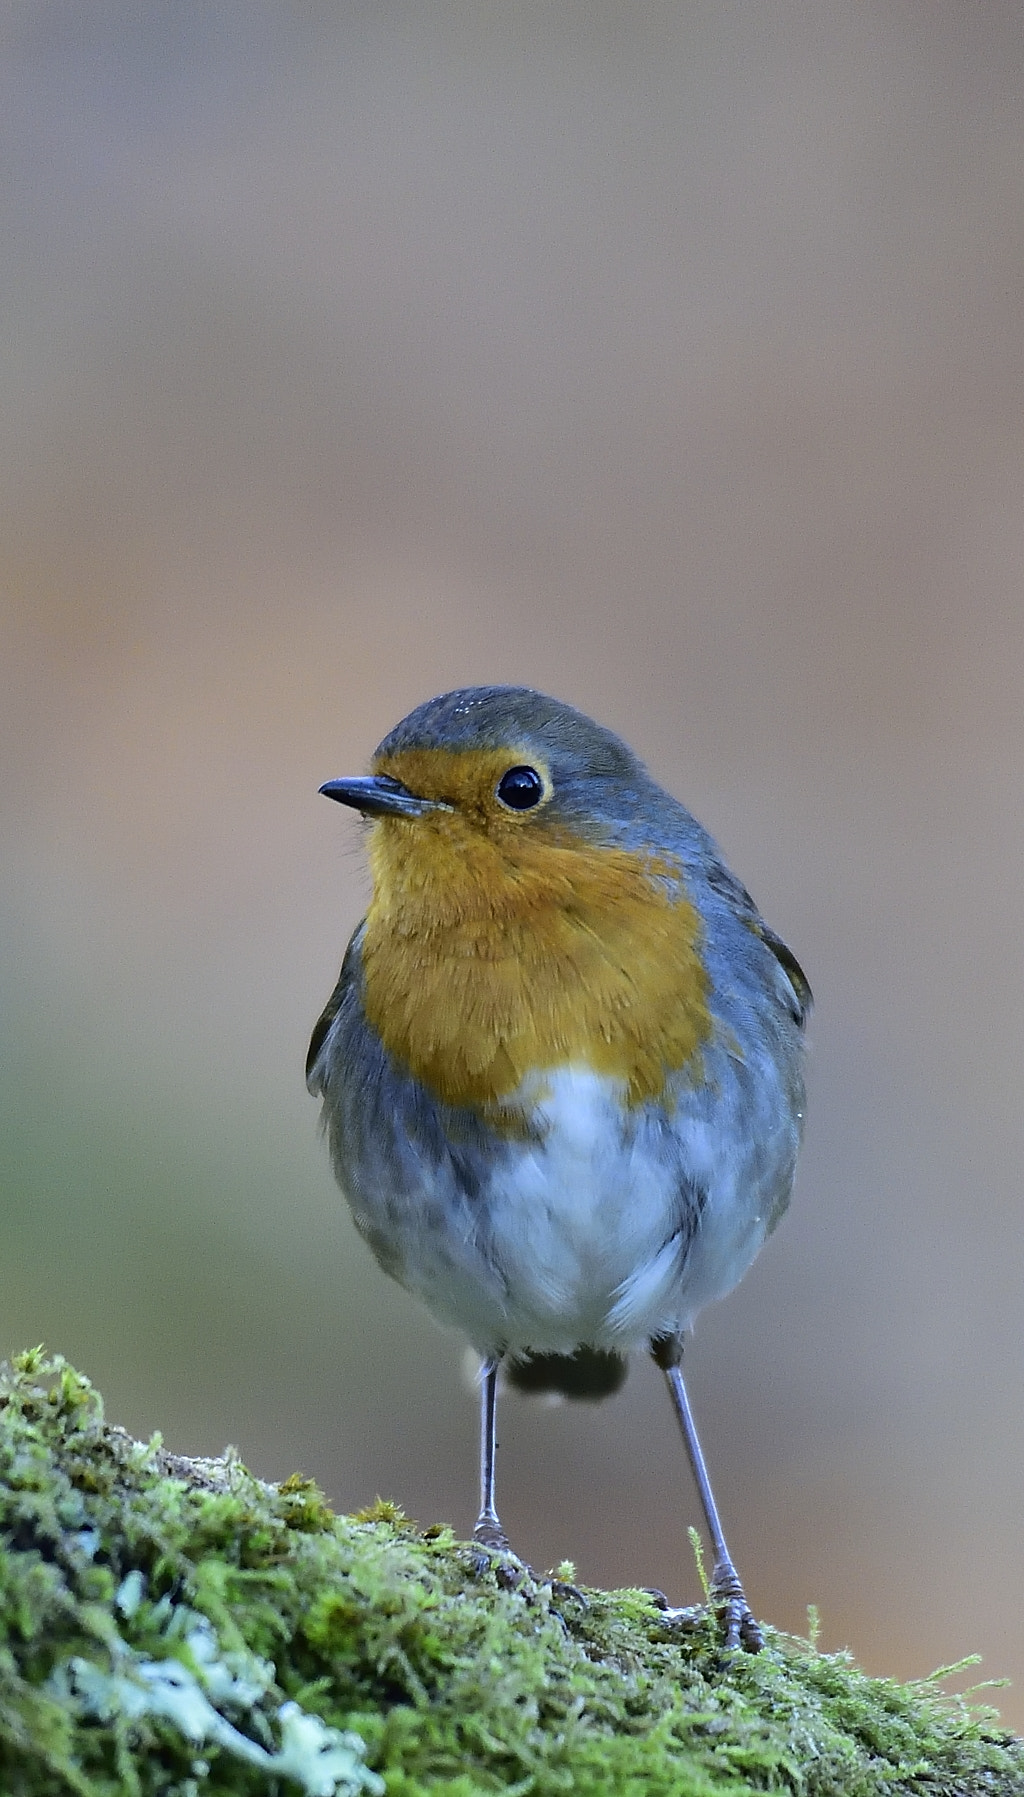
column 561, row 1070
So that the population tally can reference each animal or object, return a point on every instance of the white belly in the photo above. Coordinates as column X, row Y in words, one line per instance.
column 592, row 1231
column 575, row 1216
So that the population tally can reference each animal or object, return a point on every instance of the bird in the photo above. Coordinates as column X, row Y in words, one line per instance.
column 561, row 1072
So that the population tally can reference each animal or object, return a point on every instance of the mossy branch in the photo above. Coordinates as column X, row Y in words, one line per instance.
column 179, row 1627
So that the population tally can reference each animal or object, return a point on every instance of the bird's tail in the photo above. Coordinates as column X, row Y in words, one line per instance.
column 588, row 1373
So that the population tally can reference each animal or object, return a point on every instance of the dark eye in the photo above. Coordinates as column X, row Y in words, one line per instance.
column 520, row 788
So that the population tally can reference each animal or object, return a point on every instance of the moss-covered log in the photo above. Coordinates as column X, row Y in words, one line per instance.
column 179, row 1627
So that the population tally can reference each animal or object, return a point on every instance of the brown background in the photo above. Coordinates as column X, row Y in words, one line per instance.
column 668, row 358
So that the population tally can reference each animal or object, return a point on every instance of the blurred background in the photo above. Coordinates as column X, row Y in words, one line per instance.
column 667, row 358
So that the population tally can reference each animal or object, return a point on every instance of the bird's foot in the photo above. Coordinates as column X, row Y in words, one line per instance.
column 688, row 1616
column 728, row 1598
column 489, row 1533
column 562, row 1591
column 496, row 1555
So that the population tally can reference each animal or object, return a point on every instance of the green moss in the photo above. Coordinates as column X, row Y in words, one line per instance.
column 179, row 1627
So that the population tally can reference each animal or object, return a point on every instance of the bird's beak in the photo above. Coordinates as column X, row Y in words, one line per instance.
column 377, row 795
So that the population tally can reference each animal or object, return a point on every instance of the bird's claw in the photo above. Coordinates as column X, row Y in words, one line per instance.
column 686, row 1616
column 495, row 1555
column 726, row 1598
column 561, row 1589
column 489, row 1533
column 742, row 1629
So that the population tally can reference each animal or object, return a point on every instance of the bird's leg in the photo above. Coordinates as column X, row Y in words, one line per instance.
column 511, row 1572
column 741, row 1628
column 488, row 1531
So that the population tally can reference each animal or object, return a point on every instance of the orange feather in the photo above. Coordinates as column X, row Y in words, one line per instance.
column 498, row 946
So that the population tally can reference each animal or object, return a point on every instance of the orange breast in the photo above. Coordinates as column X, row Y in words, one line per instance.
column 488, row 957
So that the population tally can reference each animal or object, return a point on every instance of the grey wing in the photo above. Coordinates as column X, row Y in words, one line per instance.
column 803, row 996
column 322, row 1027
column 725, row 883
